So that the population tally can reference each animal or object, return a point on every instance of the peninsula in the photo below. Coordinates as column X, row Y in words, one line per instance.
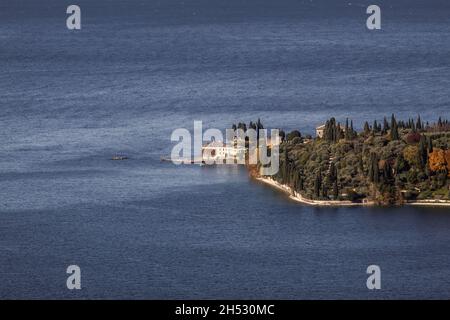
column 388, row 163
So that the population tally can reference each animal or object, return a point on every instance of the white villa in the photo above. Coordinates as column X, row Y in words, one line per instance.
column 319, row 131
column 219, row 151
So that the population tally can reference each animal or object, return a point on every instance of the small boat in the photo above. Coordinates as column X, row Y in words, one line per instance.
column 119, row 158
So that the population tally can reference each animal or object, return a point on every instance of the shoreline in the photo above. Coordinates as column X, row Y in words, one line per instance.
column 437, row 203
column 299, row 198
column 341, row 203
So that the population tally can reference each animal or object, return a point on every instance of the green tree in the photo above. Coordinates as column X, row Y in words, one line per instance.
column 366, row 129
column 286, row 166
column 423, row 151
column 335, row 189
column 385, row 126
column 375, row 127
column 394, row 129
column 317, row 185
column 430, row 144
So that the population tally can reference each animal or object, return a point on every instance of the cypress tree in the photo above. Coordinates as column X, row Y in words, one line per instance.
column 352, row 132
column 419, row 123
column 256, row 127
column 282, row 135
column 332, row 131
column 371, row 172
column 300, row 181
column 385, row 126
column 335, row 189
column 430, row 144
column 333, row 172
column 366, row 129
column 376, row 174
column 394, row 128
column 375, row 126
column 339, row 134
column 427, row 168
column 286, row 168
column 324, row 191
column 387, row 171
column 317, row 183
column 423, row 153
column 394, row 131
column 347, row 132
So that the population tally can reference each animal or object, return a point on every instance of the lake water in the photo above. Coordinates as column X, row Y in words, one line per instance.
column 145, row 229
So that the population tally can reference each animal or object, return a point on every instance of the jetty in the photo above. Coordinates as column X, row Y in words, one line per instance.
column 183, row 161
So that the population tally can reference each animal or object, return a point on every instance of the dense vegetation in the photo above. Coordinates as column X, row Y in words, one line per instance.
column 389, row 162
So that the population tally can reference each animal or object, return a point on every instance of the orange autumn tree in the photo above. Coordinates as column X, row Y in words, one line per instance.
column 437, row 160
column 447, row 159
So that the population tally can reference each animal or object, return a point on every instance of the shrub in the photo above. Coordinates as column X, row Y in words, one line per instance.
column 411, row 154
column 296, row 140
column 412, row 138
column 293, row 134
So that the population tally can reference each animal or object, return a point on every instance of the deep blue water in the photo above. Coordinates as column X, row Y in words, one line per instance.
column 140, row 69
